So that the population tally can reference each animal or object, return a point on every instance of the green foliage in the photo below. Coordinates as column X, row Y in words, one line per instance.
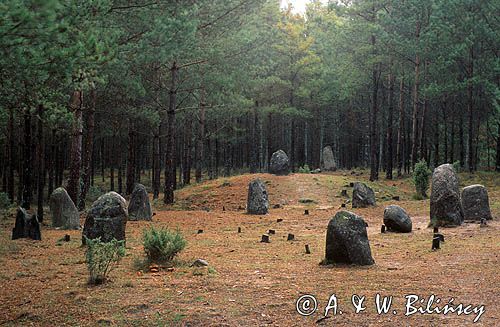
column 162, row 245
column 4, row 200
column 456, row 166
column 305, row 169
column 102, row 257
column 421, row 176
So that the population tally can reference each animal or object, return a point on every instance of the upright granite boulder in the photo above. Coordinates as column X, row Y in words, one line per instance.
column 63, row 210
column 476, row 203
column 446, row 205
column 362, row 196
column 397, row 220
column 139, row 207
column 279, row 164
column 27, row 226
column 328, row 160
column 347, row 240
column 257, row 201
column 107, row 218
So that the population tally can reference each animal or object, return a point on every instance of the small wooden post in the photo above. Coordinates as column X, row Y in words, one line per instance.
column 343, row 205
column 265, row 239
column 435, row 242
column 67, row 238
column 307, row 249
column 306, row 212
column 271, row 232
column 290, row 237
column 200, row 231
column 239, row 229
column 382, row 229
column 436, row 230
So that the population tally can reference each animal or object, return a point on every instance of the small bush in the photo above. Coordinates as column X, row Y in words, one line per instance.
column 102, row 258
column 4, row 200
column 305, row 169
column 162, row 245
column 94, row 193
column 421, row 176
column 456, row 166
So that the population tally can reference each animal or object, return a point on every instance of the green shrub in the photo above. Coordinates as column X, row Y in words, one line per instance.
column 305, row 169
column 102, row 258
column 94, row 193
column 162, row 245
column 4, row 200
column 421, row 176
column 456, row 166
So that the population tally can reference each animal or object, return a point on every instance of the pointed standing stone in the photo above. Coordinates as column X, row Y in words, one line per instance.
column 139, row 207
column 63, row 210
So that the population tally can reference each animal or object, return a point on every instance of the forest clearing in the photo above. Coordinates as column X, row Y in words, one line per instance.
column 249, row 162
column 250, row 283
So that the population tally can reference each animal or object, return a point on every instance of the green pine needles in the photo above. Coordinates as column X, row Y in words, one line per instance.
column 421, row 175
column 102, row 257
column 162, row 245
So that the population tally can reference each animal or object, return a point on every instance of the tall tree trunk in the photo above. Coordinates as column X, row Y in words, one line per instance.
column 389, row 152
column 170, row 151
column 156, row 164
column 254, row 143
column 12, row 157
column 87, row 149
column 414, row 138
column 131, row 161
column 470, row 108
column 399, row 150
column 200, row 141
column 52, row 162
column 76, row 106
column 374, row 146
column 41, row 164
column 27, row 188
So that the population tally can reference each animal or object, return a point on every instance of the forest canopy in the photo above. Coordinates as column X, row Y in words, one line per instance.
column 215, row 87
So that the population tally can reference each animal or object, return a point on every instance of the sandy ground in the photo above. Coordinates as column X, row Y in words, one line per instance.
column 250, row 283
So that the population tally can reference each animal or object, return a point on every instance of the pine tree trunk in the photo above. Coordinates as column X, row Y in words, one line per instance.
column 131, row 161
column 389, row 152
column 76, row 106
column 498, row 150
column 470, row 109
column 87, row 149
column 156, row 164
column 200, row 142
column 12, row 157
column 27, row 187
column 170, row 150
column 41, row 164
column 399, row 149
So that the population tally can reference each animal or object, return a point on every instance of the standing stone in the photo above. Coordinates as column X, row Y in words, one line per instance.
column 107, row 218
column 362, row 196
column 257, row 201
column 328, row 161
column 476, row 203
column 63, row 210
column 347, row 240
column 279, row 164
column 139, row 207
column 397, row 220
column 446, row 205
column 27, row 226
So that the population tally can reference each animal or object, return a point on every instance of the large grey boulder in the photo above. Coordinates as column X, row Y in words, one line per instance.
column 362, row 196
column 446, row 205
column 139, row 207
column 107, row 218
column 476, row 203
column 27, row 226
column 257, row 201
column 279, row 164
column 347, row 240
column 328, row 161
column 397, row 220
column 63, row 210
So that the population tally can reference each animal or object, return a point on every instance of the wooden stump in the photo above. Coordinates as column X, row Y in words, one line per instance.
column 343, row 205
column 435, row 243
column 306, row 212
column 279, row 220
column 67, row 238
column 307, row 249
column 382, row 229
column 396, row 198
column 200, row 231
column 265, row 239
column 239, row 229
column 271, row 232
column 436, row 230
column 290, row 237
